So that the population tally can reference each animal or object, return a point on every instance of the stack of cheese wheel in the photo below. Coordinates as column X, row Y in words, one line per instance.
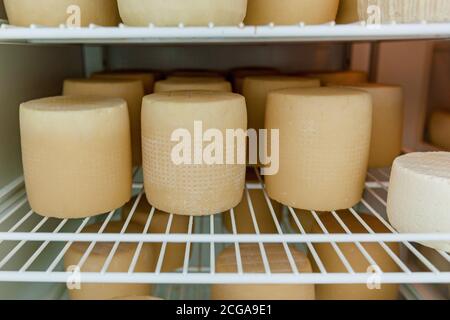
column 439, row 129
column 175, row 12
column 192, row 84
column 418, row 199
column 121, row 261
column 174, row 254
column 289, row 12
column 147, row 78
column 263, row 215
column 76, row 155
column 52, row 13
column 340, row 77
column 348, row 11
column 356, row 259
column 252, row 263
column 324, row 146
column 192, row 183
column 238, row 76
column 131, row 91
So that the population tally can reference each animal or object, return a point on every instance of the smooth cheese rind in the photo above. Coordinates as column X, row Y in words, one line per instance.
column 340, row 77
column 418, row 199
column 147, row 78
column 192, row 83
column 76, row 155
column 324, row 146
column 166, row 13
column 189, row 188
column 439, row 129
column 348, row 11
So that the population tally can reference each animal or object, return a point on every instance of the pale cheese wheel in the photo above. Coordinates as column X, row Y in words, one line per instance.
column 252, row 263
column 418, row 199
column 131, row 91
column 147, row 78
column 238, row 75
column 76, row 155
column 257, row 88
column 174, row 253
column 192, row 83
column 189, row 13
column 53, row 13
column 184, row 187
column 439, row 129
column 121, row 261
column 348, row 11
column 356, row 259
column 324, row 146
column 340, row 77
column 289, row 12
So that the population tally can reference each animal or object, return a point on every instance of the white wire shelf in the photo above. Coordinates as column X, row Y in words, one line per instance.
column 21, row 228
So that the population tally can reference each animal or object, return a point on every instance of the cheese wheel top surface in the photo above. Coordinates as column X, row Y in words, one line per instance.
column 281, row 80
column 325, row 93
column 430, row 164
column 193, row 83
column 340, row 77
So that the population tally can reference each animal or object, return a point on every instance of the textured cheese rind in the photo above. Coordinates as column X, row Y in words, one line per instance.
column 256, row 89
column 439, row 129
column 239, row 75
column 147, row 78
column 340, row 77
column 192, row 83
column 190, row 13
column 289, row 12
column 120, row 262
column 356, row 259
column 76, row 155
column 190, row 189
column 131, row 91
column 54, row 12
column 348, row 11
column 324, row 146
column 418, row 199
column 252, row 263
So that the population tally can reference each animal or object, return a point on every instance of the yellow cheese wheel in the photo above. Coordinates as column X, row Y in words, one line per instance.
column 238, row 75
column 340, row 77
column 191, row 186
column 190, row 13
column 192, row 83
column 76, row 155
column 287, row 12
column 439, row 129
column 52, row 13
column 131, row 91
column 358, row 262
column 120, row 262
column 324, row 146
column 348, row 11
column 252, row 263
column 147, row 78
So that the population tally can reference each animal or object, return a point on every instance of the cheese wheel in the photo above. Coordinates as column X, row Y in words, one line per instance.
column 192, row 83
column 131, row 91
column 356, row 259
column 147, row 78
column 138, row 298
column 287, row 12
column 76, row 155
column 174, row 253
column 439, row 129
column 238, row 75
column 184, row 187
column 252, row 263
column 243, row 217
column 324, row 146
column 406, row 11
column 418, row 199
column 340, row 77
column 257, row 88
column 190, row 13
column 53, row 13
column 120, row 262
column 348, row 11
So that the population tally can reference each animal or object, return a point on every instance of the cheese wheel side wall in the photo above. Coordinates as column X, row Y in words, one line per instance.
column 439, row 129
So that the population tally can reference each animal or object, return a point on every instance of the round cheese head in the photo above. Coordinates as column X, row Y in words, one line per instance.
column 189, row 183
column 192, row 83
column 165, row 13
column 120, row 262
column 238, row 75
column 348, row 11
column 439, row 129
column 358, row 262
column 76, row 155
column 324, row 146
column 340, row 77
column 53, row 13
column 131, row 91
column 252, row 263
column 290, row 12
column 147, row 78
column 418, row 199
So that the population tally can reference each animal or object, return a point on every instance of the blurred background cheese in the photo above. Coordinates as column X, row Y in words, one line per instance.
column 324, row 146
column 76, row 155
column 53, row 13
column 418, row 199
column 288, row 12
column 191, row 189
column 238, row 76
column 356, row 259
column 252, row 263
column 174, row 254
column 147, row 78
column 439, row 129
column 120, row 262
column 131, row 91
column 192, row 73
column 348, row 11
column 340, row 77
column 192, row 83
column 190, row 13
column 243, row 217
